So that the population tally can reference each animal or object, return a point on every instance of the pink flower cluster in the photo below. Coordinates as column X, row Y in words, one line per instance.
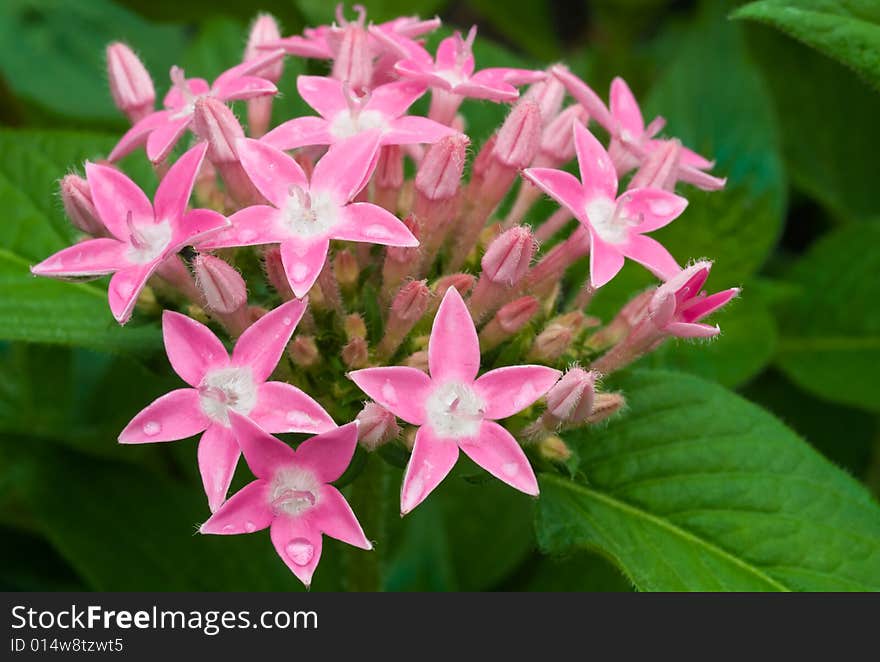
column 457, row 286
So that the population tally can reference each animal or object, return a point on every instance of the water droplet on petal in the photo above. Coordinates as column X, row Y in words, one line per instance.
column 228, row 528
column 299, row 419
column 389, row 393
column 376, row 232
column 287, row 321
column 152, row 428
column 510, row 469
column 246, row 235
column 250, row 527
column 300, row 271
column 300, row 551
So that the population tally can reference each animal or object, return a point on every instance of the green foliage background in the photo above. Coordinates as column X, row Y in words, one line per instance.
column 751, row 463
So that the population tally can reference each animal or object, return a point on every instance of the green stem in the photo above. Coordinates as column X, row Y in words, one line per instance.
column 368, row 500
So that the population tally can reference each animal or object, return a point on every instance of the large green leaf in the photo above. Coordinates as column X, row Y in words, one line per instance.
column 847, row 30
column 831, row 332
column 693, row 488
column 34, row 227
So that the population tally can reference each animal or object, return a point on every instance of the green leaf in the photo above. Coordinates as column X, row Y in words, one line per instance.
column 834, row 164
column 831, row 333
column 530, row 26
column 580, row 572
column 847, row 30
column 717, row 104
column 694, row 488
column 52, row 53
column 39, row 309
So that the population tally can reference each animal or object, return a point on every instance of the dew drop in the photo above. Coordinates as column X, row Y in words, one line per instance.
column 228, row 528
column 250, row 527
column 299, row 419
column 661, row 207
column 376, row 232
column 300, row 551
column 152, row 428
column 300, row 271
column 510, row 469
column 246, row 235
column 389, row 393
column 287, row 321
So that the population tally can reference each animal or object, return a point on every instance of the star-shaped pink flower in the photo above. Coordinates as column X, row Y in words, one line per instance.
column 680, row 303
column 344, row 114
column 453, row 71
column 221, row 384
column 143, row 234
column 616, row 224
column 291, row 495
column 307, row 214
column 454, row 409
column 161, row 129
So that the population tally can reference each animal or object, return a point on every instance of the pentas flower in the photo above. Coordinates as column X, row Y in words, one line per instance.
column 345, row 113
column 306, row 213
column 292, row 496
column 143, row 234
column 616, row 224
column 161, row 130
column 454, row 409
column 221, row 384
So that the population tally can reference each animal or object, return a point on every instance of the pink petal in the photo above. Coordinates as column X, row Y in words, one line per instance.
column 303, row 261
column 272, row 171
column 260, row 347
column 393, row 99
column 282, row 407
column 174, row 99
column 586, row 97
column 655, row 207
column 453, row 349
column 509, row 390
column 447, row 54
column 334, row 517
column 175, row 415
column 346, row 167
column 218, row 457
column 497, row 452
column 303, row 47
column 198, row 224
column 252, row 226
column 137, row 135
column 246, row 511
column 400, row 389
column 597, row 171
column 421, row 73
column 328, row 454
column 651, row 253
column 482, row 88
column 192, row 348
column 249, row 67
column 298, row 544
column 163, row 139
column 605, row 261
column 323, row 94
column 690, row 158
column 115, row 196
column 174, row 190
column 125, row 288
column 561, row 186
column 412, row 129
column 93, row 257
column 299, row 132
column 245, row 87
column 431, row 461
column 263, row 453
column 708, row 305
column 371, row 224
column 687, row 330
column 625, row 109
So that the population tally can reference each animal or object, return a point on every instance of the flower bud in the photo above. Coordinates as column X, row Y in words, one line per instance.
column 570, row 400
column 377, row 426
column 520, row 136
column 221, row 285
column 553, row 449
column 388, row 177
column 606, row 405
column 130, row 84
column 418, row 360
column 77, row 198
column 557, row 144
column 660, row 168
column 461, row 282
column 275, row 274
column 304, row 351
column 551, row 343
column 439, row 174
column 353, row 61
column 354, row 326
column 346, row 270
column 508, row 321
column 408, row 307
column 356, row 353
column 264, row 31
column 508, row 257
column 215, row 122
column 549, row 95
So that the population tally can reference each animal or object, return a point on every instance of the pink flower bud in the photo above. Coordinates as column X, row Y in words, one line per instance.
column 130, row 84
column 356, row 353
column 606, row 405
column 660, row 168
column 354, row 326
column 353, row 61
column 221, row 285
column 520, row 136
column 418, row 360
column 275, row 273
column 77, row 199
column 346, row 270
column 408, row 307
column 557, row 145
column 389, row 169
column 304, row 351
column 509, row 320
column 264, row 30
column 405, row 255
column 551, row 343
column 484, row 157
column 508, row 257
column 439, row 174
column 461, row 282
column 548, row 94
column 570, row 400
column 215, row 122
column 377, row 426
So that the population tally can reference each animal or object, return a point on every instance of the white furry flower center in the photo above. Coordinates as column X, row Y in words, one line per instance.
column 293, row 491
column 147, row 241
column 225, row 389
column 348, row 123
column 608, row 220
column 454, row 410
column 309, row 214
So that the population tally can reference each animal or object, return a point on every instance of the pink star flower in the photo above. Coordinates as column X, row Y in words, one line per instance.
column 161, row 130
column 291, row 495
column 616, row 224
column 344, row 114
column 680, row 303
column 452, row 70
column 143, row 235
column 306, row 214
column 221, row 384
column 454, row 409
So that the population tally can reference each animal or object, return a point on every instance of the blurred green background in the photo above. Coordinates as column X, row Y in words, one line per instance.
column 791, row 124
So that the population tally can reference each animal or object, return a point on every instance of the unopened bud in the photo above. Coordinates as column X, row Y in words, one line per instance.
column 377, row 426
column 461, row 282
column 354, row 326
column 551, row 343
column 275, row 274
column 264, row 31
column 508, row 257
column 520, row 136
column 388, row 177
column 606, row 405
column 303, row 351
column 401, row 262
column 509, row 320
column 557, row 145
column 221, row 285
column 346, row 270
column 553, row 449
column 418, row 360
column 408, row 307
column 570, row 400
column 356, row 353
column 130, row 84
column 439, row 174
column 77, row 198
column 548, row 94
column 353, row 62
column 660, row 168
column 215, row 123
